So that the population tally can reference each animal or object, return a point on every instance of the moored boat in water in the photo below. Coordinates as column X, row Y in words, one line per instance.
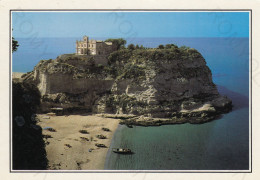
column 122, row 150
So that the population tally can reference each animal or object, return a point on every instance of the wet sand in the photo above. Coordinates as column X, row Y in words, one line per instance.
column 66, row 150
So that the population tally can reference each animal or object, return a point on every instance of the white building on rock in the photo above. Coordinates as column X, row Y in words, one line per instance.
column 94, row 47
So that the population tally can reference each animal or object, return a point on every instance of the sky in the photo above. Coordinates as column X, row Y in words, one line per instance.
column 129, row 24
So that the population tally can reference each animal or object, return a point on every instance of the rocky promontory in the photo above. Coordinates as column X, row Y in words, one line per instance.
column 147, row 86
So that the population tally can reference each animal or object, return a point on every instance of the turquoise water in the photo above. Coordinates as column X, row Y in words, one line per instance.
column 218, row 145
column 222, row 144
column 210, row 146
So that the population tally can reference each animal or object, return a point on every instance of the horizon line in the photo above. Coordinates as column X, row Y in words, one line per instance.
column 132, row 37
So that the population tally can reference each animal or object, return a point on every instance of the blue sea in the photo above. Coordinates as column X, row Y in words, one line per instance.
column 222, row 144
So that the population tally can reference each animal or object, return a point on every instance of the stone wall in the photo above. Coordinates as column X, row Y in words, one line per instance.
column 59, row 83
column 104, row 48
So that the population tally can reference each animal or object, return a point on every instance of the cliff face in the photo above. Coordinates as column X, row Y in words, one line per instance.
column 173, row 83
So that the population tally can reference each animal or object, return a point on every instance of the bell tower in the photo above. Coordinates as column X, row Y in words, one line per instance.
column 85, row 38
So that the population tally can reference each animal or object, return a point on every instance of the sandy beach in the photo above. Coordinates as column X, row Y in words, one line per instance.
column 69, row 149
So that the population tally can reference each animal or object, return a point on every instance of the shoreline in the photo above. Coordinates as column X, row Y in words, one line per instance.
column 112, row 143
column 69, row 149
column 79, row 142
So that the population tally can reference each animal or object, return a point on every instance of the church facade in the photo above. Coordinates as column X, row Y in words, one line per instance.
column 94, row 47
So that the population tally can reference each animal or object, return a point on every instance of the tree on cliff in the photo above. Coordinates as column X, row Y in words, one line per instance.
column 169, row 46
column 120, row 42
column 161, row 46
column 14, row 44
column 131, row 46
column 142, row 47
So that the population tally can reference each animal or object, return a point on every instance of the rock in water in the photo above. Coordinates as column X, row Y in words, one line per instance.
column 173, row 83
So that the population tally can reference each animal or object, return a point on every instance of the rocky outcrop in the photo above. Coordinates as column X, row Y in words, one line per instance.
column 172, row 84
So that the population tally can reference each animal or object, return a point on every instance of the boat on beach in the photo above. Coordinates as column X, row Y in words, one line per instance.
column 122, row 150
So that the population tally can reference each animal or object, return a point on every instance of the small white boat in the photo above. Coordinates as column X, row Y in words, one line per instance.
column 122, row 150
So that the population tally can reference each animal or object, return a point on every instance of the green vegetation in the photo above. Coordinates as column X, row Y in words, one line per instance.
column 120, row 42
column 131, row 71
column 15, row 45
column 142, row 47
column 123, row 101
column 132, row 62
column 131, row 46
column 169, row 53
column 126, row 63
column 119, row 56
column 161, row 46
column 169, row 46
